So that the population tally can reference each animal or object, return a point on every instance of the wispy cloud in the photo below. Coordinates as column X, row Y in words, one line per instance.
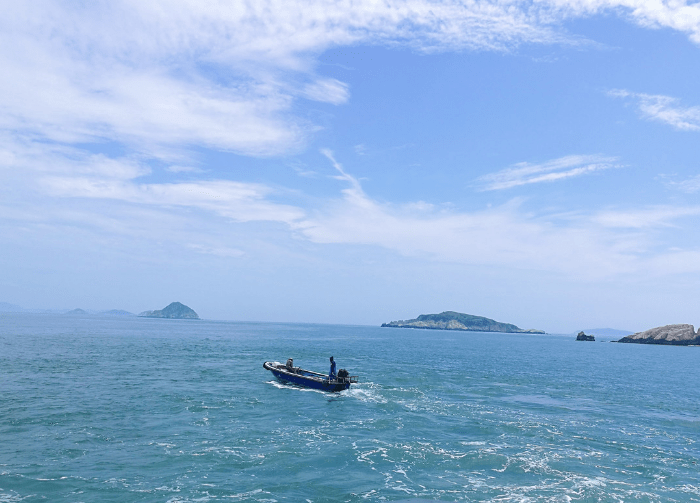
column 596, row 245
column 690, row 185
column 242, row 202
column 558, row 169
column 63, row 172
column 681, row 15
column 328, row 90
column 218, row 251
column 184, row 169
column 663, row 109
column 645, row 218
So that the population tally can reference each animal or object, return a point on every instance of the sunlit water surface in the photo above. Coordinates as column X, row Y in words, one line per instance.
column 111, row 409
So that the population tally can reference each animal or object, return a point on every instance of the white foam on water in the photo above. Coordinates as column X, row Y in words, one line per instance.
column 690, row 489
column 366, row 392
column 369, row 494
column 249, row 494
column 12, row 497
column 168, row 489
column 291, row 387
column 595, row 482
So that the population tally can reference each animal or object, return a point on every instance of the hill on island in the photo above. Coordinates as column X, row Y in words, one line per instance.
column 451, row 320
column 174, row 310
column 675, row 335
column 77, row 312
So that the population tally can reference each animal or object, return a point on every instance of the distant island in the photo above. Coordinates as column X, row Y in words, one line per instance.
column 77, row 312
column 675, row 335
column 451, row 320
column 12, row 308
column 175, row 310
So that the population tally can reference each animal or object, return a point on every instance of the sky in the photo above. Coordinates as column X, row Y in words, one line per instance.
column 357, row 162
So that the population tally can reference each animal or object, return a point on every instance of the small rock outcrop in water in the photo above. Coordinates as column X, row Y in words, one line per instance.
column 583, row 337
column 174, row 310
column 451, row 320
column 677, row 335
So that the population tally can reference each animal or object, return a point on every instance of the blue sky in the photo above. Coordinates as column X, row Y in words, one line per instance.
column 354, row 162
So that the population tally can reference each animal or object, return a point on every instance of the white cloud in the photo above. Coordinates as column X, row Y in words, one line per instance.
column 663, row 109
column 600, row 245
column 161, row 77
column 142, row 73
column 500, row 236
column 679, row 15
column 558, row 169
column 137, row 73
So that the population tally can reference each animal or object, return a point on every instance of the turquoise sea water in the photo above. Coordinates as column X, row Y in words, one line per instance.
column 99, row 409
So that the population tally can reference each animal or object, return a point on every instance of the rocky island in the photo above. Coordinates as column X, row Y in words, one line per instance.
column 451, row 320
column 676, row 335
column 583, row 337
column 175, row 310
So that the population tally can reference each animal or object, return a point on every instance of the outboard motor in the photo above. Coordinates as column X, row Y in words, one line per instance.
column 343, row 374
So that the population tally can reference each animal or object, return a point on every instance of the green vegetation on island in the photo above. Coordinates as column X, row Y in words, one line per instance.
column 451, row 320
column 174, row 310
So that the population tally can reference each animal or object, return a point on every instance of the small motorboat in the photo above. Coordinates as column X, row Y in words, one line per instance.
column 288, row 373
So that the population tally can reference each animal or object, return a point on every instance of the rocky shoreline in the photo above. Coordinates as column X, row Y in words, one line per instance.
column 674, row 335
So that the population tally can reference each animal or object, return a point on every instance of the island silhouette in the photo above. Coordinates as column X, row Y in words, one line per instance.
column 174, row 310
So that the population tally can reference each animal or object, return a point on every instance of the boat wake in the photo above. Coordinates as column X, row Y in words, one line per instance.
column 366, row 392
column 294, row 387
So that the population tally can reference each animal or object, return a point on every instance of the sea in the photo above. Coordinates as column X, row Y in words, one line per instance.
column 126, row 409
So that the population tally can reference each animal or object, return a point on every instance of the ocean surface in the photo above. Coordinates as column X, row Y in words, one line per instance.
column 125, row 409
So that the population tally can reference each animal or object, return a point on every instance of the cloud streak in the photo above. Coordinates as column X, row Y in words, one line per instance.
column 558, row 169
column 664, row 109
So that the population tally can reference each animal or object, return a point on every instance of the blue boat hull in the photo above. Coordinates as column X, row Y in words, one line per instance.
column 307, row 378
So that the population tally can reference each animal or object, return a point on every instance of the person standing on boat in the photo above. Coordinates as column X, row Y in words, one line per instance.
column 331, row 374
